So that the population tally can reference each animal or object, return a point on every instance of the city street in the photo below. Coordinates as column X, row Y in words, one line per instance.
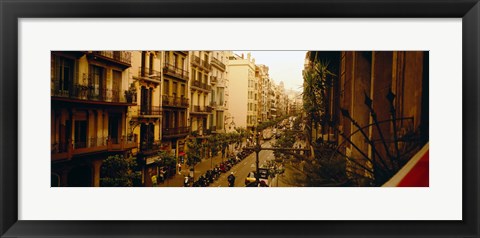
column 240, row 170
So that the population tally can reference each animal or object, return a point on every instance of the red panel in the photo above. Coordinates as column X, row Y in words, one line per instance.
column 418, row 175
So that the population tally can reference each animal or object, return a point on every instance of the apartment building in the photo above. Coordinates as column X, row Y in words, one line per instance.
column 145, row 117
column 200, row 90
column 175, row 101
column 244, row 107
column 263, row 79
column 219, row 95
column 88, row 113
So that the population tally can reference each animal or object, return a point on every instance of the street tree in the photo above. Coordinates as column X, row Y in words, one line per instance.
column 118, row 171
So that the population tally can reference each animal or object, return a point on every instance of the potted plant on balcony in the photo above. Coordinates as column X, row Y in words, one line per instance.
column 131, row 93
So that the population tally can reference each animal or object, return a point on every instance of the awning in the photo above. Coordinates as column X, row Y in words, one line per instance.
column 181, row 153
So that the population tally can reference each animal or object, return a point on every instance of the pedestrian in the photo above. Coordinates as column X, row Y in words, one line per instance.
column 179, row 168
column 231, row 180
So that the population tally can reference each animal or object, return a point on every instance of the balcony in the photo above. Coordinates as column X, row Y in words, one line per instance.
column 149, row 111
column 213, row 79
column 202, row 86
column 149, row 148
column 175, row 132
column 149, row 73
column 67, row 150
column 173, row 71
column 122, row 143
column 201, row 109
column 89, row 93
column 206, row 65
column 196, row 60
column 171, row 101
column 213, row 129
column 217, row 63
column 120, row 58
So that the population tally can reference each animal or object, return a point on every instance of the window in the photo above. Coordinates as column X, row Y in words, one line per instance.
column 116, row 84
column 220, row 93
column 183, row 92
column 80, row 133
column 175, row 88
column 97, row 82
column 175, row 60
column 166, row 87
column 63, row 73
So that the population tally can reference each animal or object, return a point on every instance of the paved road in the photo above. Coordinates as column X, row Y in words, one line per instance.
column 240, row 170
column 245, row 166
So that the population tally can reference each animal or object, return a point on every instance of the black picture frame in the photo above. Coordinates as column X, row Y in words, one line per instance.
column 11, row 11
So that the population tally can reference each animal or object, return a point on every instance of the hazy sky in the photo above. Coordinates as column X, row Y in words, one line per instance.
column 283, row 66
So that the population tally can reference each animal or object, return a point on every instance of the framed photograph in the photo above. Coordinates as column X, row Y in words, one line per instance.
column 226, row 119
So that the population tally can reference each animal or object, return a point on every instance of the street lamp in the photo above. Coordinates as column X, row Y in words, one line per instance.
column 257, row 149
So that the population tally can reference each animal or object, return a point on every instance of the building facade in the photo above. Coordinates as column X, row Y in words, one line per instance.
column 241, row 72
column 388, row 89
column 88, row 113
column 175, row 101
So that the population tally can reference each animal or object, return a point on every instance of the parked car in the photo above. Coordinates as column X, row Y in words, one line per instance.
column 263, row 178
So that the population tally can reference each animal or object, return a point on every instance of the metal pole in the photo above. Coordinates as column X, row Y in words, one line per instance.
column 257, row 151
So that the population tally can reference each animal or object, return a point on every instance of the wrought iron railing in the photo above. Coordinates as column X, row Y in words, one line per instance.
column 175, row 71
column 148, row 73
column 196, row 60
column 175, row 101
column 120, row 56
column 202, row 109
column 88, row 92
column 149, row 146
column 152, row 110
column 175, row 131
column 218, row 63
column 198, row 84
column 213, row 79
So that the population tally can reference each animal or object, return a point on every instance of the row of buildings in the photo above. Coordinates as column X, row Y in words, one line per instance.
column 265, row 100
column 141, row 102
column 377, row 108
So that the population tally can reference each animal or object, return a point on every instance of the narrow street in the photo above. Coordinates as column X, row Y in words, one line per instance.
column 240, row 170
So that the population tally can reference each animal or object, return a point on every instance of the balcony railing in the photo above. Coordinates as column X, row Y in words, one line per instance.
column 149, row 147
column 149, row 111
column 175, row 101
column 175, row 71
column 218, row 64
column 149, row 73
column 175, row 131
column 196, row 60
column 201, row 85
column 66, row 150
column 213, row 79
column 201, row 109
column 122, row 143
column 124, row 57
column 90, row 93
